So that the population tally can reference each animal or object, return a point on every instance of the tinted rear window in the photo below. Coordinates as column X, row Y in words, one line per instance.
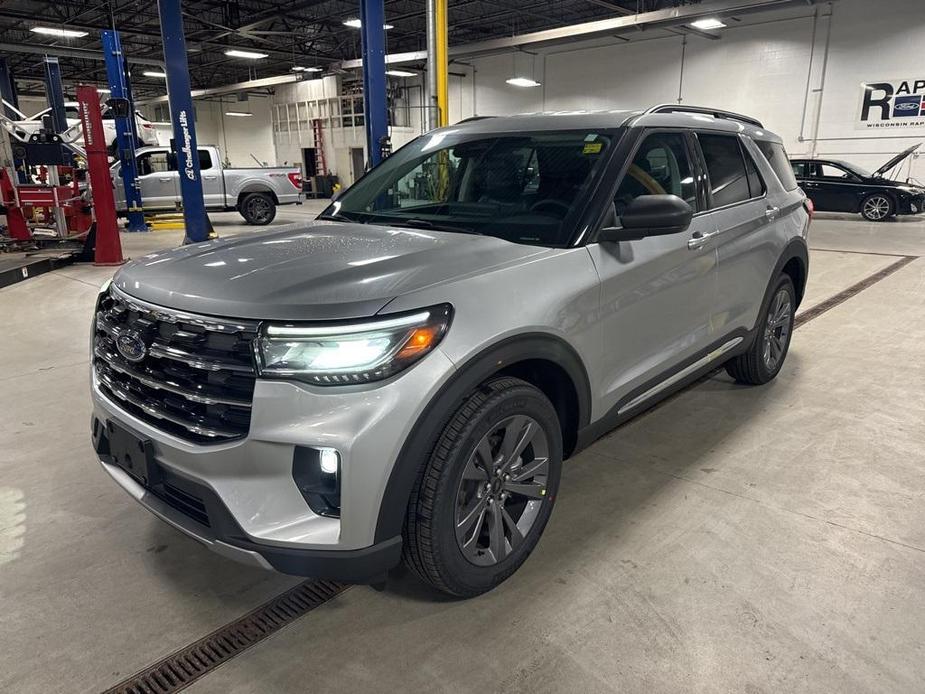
column 728, row 177
column 777, row 158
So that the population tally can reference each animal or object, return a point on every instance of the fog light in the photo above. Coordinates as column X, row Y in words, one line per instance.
column 316, row 472
column 330, row 461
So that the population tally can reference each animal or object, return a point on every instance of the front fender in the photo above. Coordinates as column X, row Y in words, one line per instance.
column 427, row 429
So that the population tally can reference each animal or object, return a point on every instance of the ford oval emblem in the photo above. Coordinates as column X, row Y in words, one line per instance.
column 131, row 346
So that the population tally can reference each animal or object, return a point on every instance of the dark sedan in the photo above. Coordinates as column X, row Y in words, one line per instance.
column 837, row 186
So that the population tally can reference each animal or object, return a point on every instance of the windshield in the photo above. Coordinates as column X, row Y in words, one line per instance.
column 525, row 188
column 859, row 171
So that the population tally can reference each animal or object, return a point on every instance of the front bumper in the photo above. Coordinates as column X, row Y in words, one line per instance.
column 911, row 204
column 240, row 498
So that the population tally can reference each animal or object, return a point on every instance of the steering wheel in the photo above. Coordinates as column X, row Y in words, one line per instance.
column 559, row 206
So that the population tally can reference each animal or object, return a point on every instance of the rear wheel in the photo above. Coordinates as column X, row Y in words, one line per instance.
column 484, row 496
column 877, row 207
column 764, row 359
column 257, row 208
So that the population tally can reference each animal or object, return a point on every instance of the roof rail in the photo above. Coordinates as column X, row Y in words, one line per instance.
column 715, row 112
column 474, row 118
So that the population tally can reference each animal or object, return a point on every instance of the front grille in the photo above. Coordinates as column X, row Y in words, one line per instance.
column 195, row 376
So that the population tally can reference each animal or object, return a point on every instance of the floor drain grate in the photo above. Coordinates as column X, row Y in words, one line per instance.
column 853, row 290
column 183, row 667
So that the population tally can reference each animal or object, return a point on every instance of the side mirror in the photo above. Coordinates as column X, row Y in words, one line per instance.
column 650, row 215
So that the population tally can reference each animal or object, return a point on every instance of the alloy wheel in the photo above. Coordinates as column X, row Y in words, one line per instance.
column 259, row 209
column 876, row 207
column 502, row 490
column 777, row 329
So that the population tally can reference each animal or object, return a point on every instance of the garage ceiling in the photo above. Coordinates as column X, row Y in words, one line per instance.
column 297, row 32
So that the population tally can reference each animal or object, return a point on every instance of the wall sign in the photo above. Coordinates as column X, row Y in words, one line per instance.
column 892, row 104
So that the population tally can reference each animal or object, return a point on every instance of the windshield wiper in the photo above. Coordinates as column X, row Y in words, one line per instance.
column 334, row 217
column 416, row 223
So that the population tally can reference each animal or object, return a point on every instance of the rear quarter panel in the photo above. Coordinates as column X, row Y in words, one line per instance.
column 276, row 180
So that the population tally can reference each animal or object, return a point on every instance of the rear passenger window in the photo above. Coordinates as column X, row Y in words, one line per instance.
column 780, row 162
column 728, row 177
column 205, row 160
column 661, row 167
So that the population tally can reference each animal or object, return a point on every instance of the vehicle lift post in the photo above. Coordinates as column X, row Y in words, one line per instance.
column 182, row 115
column 108, row 246
column 375, row 101
column 120, row 88
column 54, row 90
column 8, row 94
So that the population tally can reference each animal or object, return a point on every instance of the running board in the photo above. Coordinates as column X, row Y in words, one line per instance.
column 681, row 375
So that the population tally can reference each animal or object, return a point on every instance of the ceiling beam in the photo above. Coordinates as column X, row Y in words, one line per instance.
column 658, row 19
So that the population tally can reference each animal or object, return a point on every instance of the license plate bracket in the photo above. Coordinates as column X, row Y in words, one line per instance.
column 133, row 454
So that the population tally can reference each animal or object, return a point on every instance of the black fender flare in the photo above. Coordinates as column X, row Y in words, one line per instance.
column 420, row 442
column 795, row 248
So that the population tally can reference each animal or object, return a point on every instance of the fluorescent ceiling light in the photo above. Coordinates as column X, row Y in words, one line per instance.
column 708, row 23
column 239, row 114
column 154, row 73
column 401, row 73
column 103, row 90
column 250, row 55
column 522, row 82
column 356, row 24
column 51, row 31
column 299, row 68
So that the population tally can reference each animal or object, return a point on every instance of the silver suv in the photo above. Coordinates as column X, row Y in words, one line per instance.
column 402, row 378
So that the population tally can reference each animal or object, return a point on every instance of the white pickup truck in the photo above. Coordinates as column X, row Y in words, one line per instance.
column 254, row 193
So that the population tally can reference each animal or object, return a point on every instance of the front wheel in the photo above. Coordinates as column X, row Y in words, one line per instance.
column 764, row 359
column 877, row 208
column 484, row 496
column 257, row 209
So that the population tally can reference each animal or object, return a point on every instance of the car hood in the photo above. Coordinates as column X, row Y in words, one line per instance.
column 319, row 271
column 894, row 161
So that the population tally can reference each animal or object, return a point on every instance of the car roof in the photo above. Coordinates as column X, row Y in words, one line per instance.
column 609, row 119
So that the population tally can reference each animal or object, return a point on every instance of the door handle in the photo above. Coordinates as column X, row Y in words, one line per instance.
column 700, row 240
column 771, row 213
column 165, row 180
column 209, row 178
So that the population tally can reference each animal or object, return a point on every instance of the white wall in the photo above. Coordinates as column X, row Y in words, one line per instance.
column 759, row 67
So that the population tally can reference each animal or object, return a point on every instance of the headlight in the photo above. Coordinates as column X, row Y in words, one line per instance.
column 351, row 353
column 910, row 190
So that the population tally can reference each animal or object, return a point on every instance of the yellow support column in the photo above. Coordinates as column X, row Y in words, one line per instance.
column 443, row 91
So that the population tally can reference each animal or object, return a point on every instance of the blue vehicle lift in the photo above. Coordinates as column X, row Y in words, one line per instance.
column 8, row 94
column 183, row 117
column 122, row 102
column 375, row 104
column 54, row 90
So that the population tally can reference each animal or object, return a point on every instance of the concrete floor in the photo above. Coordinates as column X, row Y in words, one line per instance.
column 735, row 539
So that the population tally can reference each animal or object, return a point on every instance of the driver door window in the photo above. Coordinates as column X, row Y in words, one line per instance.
column 661, row 167
column 836, row 172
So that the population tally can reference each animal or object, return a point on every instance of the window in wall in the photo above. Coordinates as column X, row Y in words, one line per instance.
column 726, row 167
column 780, row 162
column 661, row 167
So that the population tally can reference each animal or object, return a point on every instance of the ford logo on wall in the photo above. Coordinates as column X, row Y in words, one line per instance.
column 131, row 346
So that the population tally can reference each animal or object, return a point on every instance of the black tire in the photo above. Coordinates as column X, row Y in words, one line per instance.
column 878, row 207
column 258, row 209
column 752, row 367
column 430, row 546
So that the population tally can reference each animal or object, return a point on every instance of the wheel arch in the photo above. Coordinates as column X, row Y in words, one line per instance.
column 545, row 361
column 794, row 262
column 248, row 190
